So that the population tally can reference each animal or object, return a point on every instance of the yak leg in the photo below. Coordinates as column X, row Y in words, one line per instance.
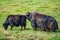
column 34, row 26
column 21, row 28
column 24, row 27
column 11, row 24
column 33, row 22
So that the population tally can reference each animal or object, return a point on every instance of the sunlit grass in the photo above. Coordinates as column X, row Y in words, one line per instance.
column 48, row 7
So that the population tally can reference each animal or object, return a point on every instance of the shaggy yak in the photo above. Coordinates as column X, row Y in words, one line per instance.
column 41, row 21
column 15, row 20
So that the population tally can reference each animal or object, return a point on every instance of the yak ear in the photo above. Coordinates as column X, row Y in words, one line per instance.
column 28, row 12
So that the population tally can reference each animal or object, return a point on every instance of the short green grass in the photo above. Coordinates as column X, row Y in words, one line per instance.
column 48, row 7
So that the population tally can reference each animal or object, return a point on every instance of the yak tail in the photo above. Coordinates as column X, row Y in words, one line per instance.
column 56, row 25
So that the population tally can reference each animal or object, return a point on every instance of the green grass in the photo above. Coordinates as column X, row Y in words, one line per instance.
column 48, row 7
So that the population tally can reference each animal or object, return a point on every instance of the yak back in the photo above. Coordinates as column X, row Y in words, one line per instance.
column 16, row 19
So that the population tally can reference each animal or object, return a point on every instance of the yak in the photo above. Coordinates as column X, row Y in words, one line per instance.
column 15, row 20
column 41, row 21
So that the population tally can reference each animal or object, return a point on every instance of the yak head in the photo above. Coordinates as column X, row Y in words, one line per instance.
column 28, row 16
column 5, row 25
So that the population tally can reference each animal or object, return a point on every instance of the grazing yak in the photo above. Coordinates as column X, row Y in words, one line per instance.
column 41, row 21
column 15, row 20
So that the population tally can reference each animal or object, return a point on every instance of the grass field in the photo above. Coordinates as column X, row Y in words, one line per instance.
column 48, row 7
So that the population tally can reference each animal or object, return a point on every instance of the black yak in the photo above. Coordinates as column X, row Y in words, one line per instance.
column 41, row 21
column 15, row 20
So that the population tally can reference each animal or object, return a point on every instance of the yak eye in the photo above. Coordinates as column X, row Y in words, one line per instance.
column 27, row 15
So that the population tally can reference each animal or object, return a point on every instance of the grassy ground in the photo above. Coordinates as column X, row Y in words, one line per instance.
column 48, row 7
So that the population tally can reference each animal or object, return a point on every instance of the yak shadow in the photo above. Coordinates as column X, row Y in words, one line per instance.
column 28, row 29
column 58, row 31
